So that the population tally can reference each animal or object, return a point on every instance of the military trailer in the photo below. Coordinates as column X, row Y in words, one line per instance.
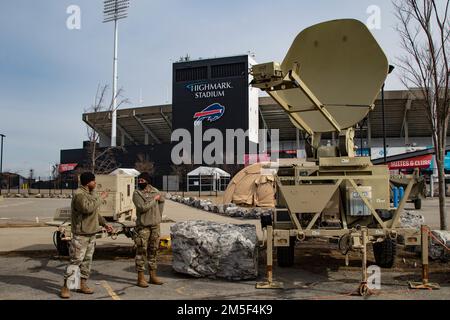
column 118, row 209
column 328, row 83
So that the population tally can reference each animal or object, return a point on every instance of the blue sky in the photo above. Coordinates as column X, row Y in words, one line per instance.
column 49, row 74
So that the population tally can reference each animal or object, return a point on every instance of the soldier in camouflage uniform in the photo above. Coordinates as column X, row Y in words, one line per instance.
column 149, row 204
column 86, row 222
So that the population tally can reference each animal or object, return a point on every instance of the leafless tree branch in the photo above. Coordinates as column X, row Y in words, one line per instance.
column 101, row 162
column 424, row 29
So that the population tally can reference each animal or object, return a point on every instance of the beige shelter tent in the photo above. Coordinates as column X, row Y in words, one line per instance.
column 255, row 185
column 252, row 186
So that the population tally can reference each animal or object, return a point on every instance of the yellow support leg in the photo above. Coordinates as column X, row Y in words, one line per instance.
column 269, row 284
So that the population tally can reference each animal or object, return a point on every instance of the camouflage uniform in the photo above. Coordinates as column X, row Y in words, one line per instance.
column 149, row 215
column 81, row 252
column 147, row 242
column 86, row 222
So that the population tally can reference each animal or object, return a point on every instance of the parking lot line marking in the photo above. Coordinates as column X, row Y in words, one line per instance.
column 110, row 291
column 180, row 290
column 15, row 204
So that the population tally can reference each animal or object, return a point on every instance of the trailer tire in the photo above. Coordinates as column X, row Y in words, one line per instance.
column 418, row 204
column 385, row 253
column 62, row 246
column 285, row 255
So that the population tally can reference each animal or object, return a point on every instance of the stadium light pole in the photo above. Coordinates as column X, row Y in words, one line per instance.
column 115, row 10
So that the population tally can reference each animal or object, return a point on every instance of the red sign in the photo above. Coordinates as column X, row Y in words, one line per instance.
column 66, row 167
column 421, row 162
column 255, row 158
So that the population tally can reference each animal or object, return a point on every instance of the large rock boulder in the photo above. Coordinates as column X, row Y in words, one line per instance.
column 209, row 249
column 412, row 220
column 438, row 240
column 231, row 211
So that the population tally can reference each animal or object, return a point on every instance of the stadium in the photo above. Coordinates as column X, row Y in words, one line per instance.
column 144, row 133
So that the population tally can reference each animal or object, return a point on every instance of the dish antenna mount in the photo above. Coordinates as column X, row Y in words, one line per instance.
column 328, row 81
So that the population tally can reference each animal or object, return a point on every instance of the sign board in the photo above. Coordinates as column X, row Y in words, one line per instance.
column 378, row 152
column 215, row 94
column 422, row 162
column 64, row 167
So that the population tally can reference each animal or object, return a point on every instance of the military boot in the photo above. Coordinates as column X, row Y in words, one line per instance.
column 141, row 280
column 84, row 288
column 154, row 279
column 65, row 292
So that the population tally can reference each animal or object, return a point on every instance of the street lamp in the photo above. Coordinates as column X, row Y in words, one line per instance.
column 1, row 161
column 391, row 68
column 1, row 154
column 115, row 10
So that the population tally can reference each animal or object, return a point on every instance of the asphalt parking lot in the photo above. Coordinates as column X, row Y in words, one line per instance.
column 31, row 269
column 15, row 211
column 316, row 275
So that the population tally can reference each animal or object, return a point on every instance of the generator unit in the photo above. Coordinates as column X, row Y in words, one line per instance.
column 118, row 205
column 117, row 208
column 355, row 204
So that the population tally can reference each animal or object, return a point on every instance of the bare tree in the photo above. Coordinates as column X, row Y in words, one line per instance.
column 143, row 164
column 105, row 161
column 101, row 161
column 182, row 169
column 55, row 174
column 55, row 171
column 424, row 29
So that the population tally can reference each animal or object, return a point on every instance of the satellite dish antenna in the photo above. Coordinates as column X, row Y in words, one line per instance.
column 330, row 77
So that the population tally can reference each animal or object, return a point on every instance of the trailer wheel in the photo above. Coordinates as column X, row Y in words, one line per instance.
column 418, row 204
column 385, row 253
column 62, row 246
column 285, row 255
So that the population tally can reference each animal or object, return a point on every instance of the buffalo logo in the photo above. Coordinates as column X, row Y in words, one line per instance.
column 211, row 113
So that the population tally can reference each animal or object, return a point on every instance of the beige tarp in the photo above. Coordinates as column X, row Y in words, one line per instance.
column 255, row 185
column 265, row 192
column 252, row 186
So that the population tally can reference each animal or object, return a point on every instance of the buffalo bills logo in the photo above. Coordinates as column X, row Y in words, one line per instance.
column 211, row 113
